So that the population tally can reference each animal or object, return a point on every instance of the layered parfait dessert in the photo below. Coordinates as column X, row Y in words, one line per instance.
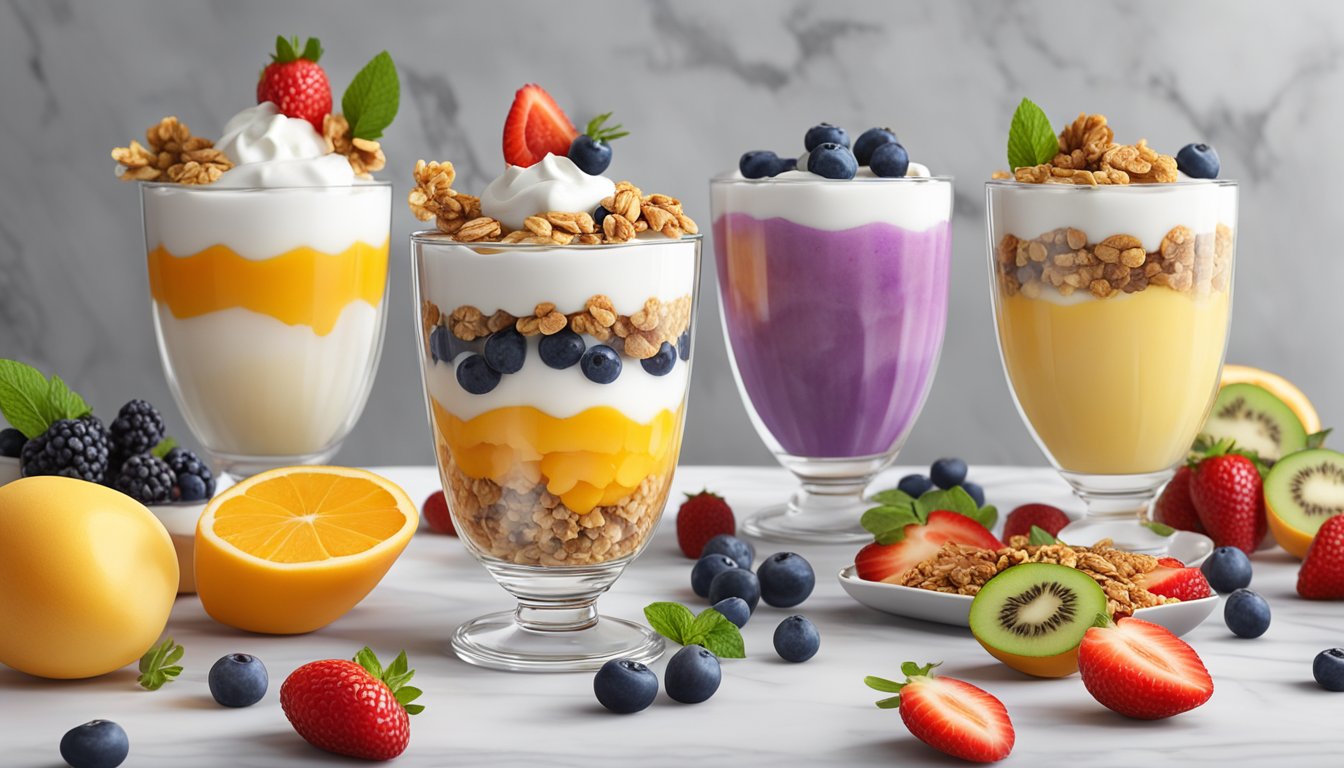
column 267, row 257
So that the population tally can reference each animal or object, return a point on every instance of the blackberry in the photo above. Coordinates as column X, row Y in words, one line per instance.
column 70, row 447
column 147, row 479
column 137, row 428
column 11, row 442
column 195, row 481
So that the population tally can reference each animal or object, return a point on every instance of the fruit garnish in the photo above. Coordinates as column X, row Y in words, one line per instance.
column 591, row 150
column 1246, row 613
column 710, row 628
column 949, row 715
column 796, row 639
column 1033, row 616
column 1174, row 506
column 1322, row 573
column 1142, row 670
column 692, row 675
column 1198, row 161
column 1226, row 491
column 159, row 666
column 535, row 127
column 1227, row 569
column 355, row 708
column 1172, row 578
column 786, row 579
column 31, row 402
column 701, row 517
column 1031, row 140
column 736, row 582
column 295, row 82
column 1256, row 420
column 897, row 509
column 137, row 428
column 1278, row 386
column 1027, row 516
column 897, row 550
column 1303, row 491
column 371, row 101
column 436, row 516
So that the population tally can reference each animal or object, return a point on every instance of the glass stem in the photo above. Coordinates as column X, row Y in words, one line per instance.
column 556, row 617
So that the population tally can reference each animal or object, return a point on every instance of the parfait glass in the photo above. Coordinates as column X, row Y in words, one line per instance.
column 268, row 308
column 556, row 427
column 834, row 302
column 1112, row 306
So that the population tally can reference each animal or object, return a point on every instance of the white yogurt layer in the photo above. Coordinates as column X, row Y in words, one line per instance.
column 553, row 184
column 269, row 149
column 832, row 204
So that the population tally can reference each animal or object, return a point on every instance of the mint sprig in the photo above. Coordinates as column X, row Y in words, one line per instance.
column 896, row 509
column 1040, row 537
column 602, row 132
column 159, row 666
column 395, row 677
column 1031, row 140
column 710, row 629
column 371, row 101
column 31, row 403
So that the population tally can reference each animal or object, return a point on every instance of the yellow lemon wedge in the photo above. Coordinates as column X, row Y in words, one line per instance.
column 293, row 549
column 1278, row 386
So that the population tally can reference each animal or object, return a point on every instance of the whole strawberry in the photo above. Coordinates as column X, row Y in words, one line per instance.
column 1229, row 500
column 701, row 517
column 1047, row 518
column 1175, row 507
column 353, row 708
column 1322, row 573
column 295, row 83
column 435, row 513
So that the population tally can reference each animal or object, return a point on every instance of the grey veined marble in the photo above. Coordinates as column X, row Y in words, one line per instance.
column 698, row 82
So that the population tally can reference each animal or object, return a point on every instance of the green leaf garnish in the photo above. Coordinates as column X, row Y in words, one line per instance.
column 159, row 665
column 371, row 101
column 1031, row 140
column 165, row 446
column 31, row 403
column 710, row 629
column 897, row 509
column 1039, row 537
column 601, row 132
column 394, row 676
column 287, row 50
column 1161, row 529
column 910, row 669
column 1317, row 439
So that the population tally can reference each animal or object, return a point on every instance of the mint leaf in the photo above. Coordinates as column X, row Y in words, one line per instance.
column 671, row 620
column 1161, row 529
column 988, row 515
column 159, row 665
column 881, row 521
column 718, row 635
column 165, row 446
column 1031, row 140
column 1039, row 536
column 23, row 394
column 893, row 497
column 371, row 101
column 63, row 402
column 954, row 499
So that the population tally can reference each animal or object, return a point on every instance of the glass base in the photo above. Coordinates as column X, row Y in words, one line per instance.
column 827, row 508
column 240, row 467
column 499, row 641
column 1117, row 507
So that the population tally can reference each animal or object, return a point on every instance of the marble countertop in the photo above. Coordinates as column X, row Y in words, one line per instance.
column 1265, row 708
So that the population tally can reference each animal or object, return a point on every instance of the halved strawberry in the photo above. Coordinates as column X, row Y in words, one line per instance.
column 887, row 562
column 535, row 127
column 1173, row 579
column 1141, row 670
column 949, row 715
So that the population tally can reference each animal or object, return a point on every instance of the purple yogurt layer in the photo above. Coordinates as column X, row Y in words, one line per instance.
column 835, row 334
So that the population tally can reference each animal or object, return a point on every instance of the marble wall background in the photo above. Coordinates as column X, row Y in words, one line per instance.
column 698, row 81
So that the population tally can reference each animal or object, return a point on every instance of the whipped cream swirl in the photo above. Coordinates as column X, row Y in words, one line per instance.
column 554, row 184
column 270, row 149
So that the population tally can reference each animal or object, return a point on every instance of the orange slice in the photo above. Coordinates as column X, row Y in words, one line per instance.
column 1278, row 386
column 293, row 549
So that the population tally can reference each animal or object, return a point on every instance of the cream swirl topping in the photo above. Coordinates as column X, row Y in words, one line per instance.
column 270, row 149
column 554, row 184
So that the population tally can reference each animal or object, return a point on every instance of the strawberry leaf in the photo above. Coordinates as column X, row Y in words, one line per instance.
column 371, row 101
column 893, row 702
column 601, row 132
column 159, row 665
column 367, row 659
column 883, row 684
column 312, row 50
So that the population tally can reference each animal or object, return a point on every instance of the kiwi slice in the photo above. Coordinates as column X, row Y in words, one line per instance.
column 1302, row 491
column 1033, row 616
column 1257, row 420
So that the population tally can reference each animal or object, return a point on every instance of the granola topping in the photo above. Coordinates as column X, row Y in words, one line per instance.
column 1089, row 155
column 172, row 154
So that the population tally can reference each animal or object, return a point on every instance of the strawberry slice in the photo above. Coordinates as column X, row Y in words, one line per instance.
column 1141, row 670
column 888, row 562
column 949, row 715
column 1322, row 573
column 535, row 127
column 1173, row 579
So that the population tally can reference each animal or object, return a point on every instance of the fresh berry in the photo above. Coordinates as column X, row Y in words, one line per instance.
column 70, row 447
column 1043, row 516
column 662, row 361
column 476, row 376
column 95, row 744
column 915, row 485
column 692, row 675
column 887, row 562
column 684, row 345
column 561, row 350
column 238, row 680
column 624, row 686
column 832, row 161
column 1246, row 613
column 890, row 161
column 825, row 133
column 706, row 568
column 1198, row 161
column 1175, row 507
column 355, row 708
column 976, row 493
column 1176, row 581
column 147, row 479
column 506, row 350
column 734, row 609
column 741, row 550
column 786, row 579
column 1328, row 669
column 870, row 140
column 796, row 639
column 949, row 715
column 759, row 164
column 535, row 127
column 948, row 473
column 440, row 344
column 788, row 164
column 701, row 517
column 11, row 442
column 736, row 582
column 1142, row 670
column 295, row 82
column 435, row 513
column 1226, row 491
column 137, row 428
column 1322, row 574
column 1227, row 569
column 195, row 481
column 599, row 214
column 591, row 151
column 601, row 364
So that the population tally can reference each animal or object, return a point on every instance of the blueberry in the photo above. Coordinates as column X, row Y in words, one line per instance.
column 797, row 639
column 1227, row 569
column 95, row 744
column 947, row 473
column 740, row 550
column 975, row 492
column 1328, row 669
column 684, row 345
column 238, row 680
column 506, row 350
column 759, row 163
column 825, row 133
column 736, row 582
column 599, row 213
column 915, row 485
column 625, row 686
column 706, row 568
column 832, row 161
column 890, row 161
column 1198, row 161
column 11, row 442
column 788, row 164
column 735, row 609
column 786, row 579
column 870, row 140
column 192, row 488
column 692, row 675
column 662, row 361
column 1246, row 613
column 601, row 364
column 590, row 154
column 440, row 344
column 476, row 376
column 561, row 350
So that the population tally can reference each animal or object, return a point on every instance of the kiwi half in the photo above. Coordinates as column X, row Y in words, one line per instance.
column 1257, row 420
column 1302, row 491
column 1033, row 616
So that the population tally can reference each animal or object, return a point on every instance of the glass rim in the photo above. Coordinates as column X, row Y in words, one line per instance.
column 1112, row 188
column 358, row 184
column 435, row 237
column 731, row 177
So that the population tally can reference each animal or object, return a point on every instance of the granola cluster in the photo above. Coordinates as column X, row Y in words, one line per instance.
column 1066, row 260
column 963, row 570
column 631, row 213
column 1089, row 155
column 365, row 155
column 172, row 154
